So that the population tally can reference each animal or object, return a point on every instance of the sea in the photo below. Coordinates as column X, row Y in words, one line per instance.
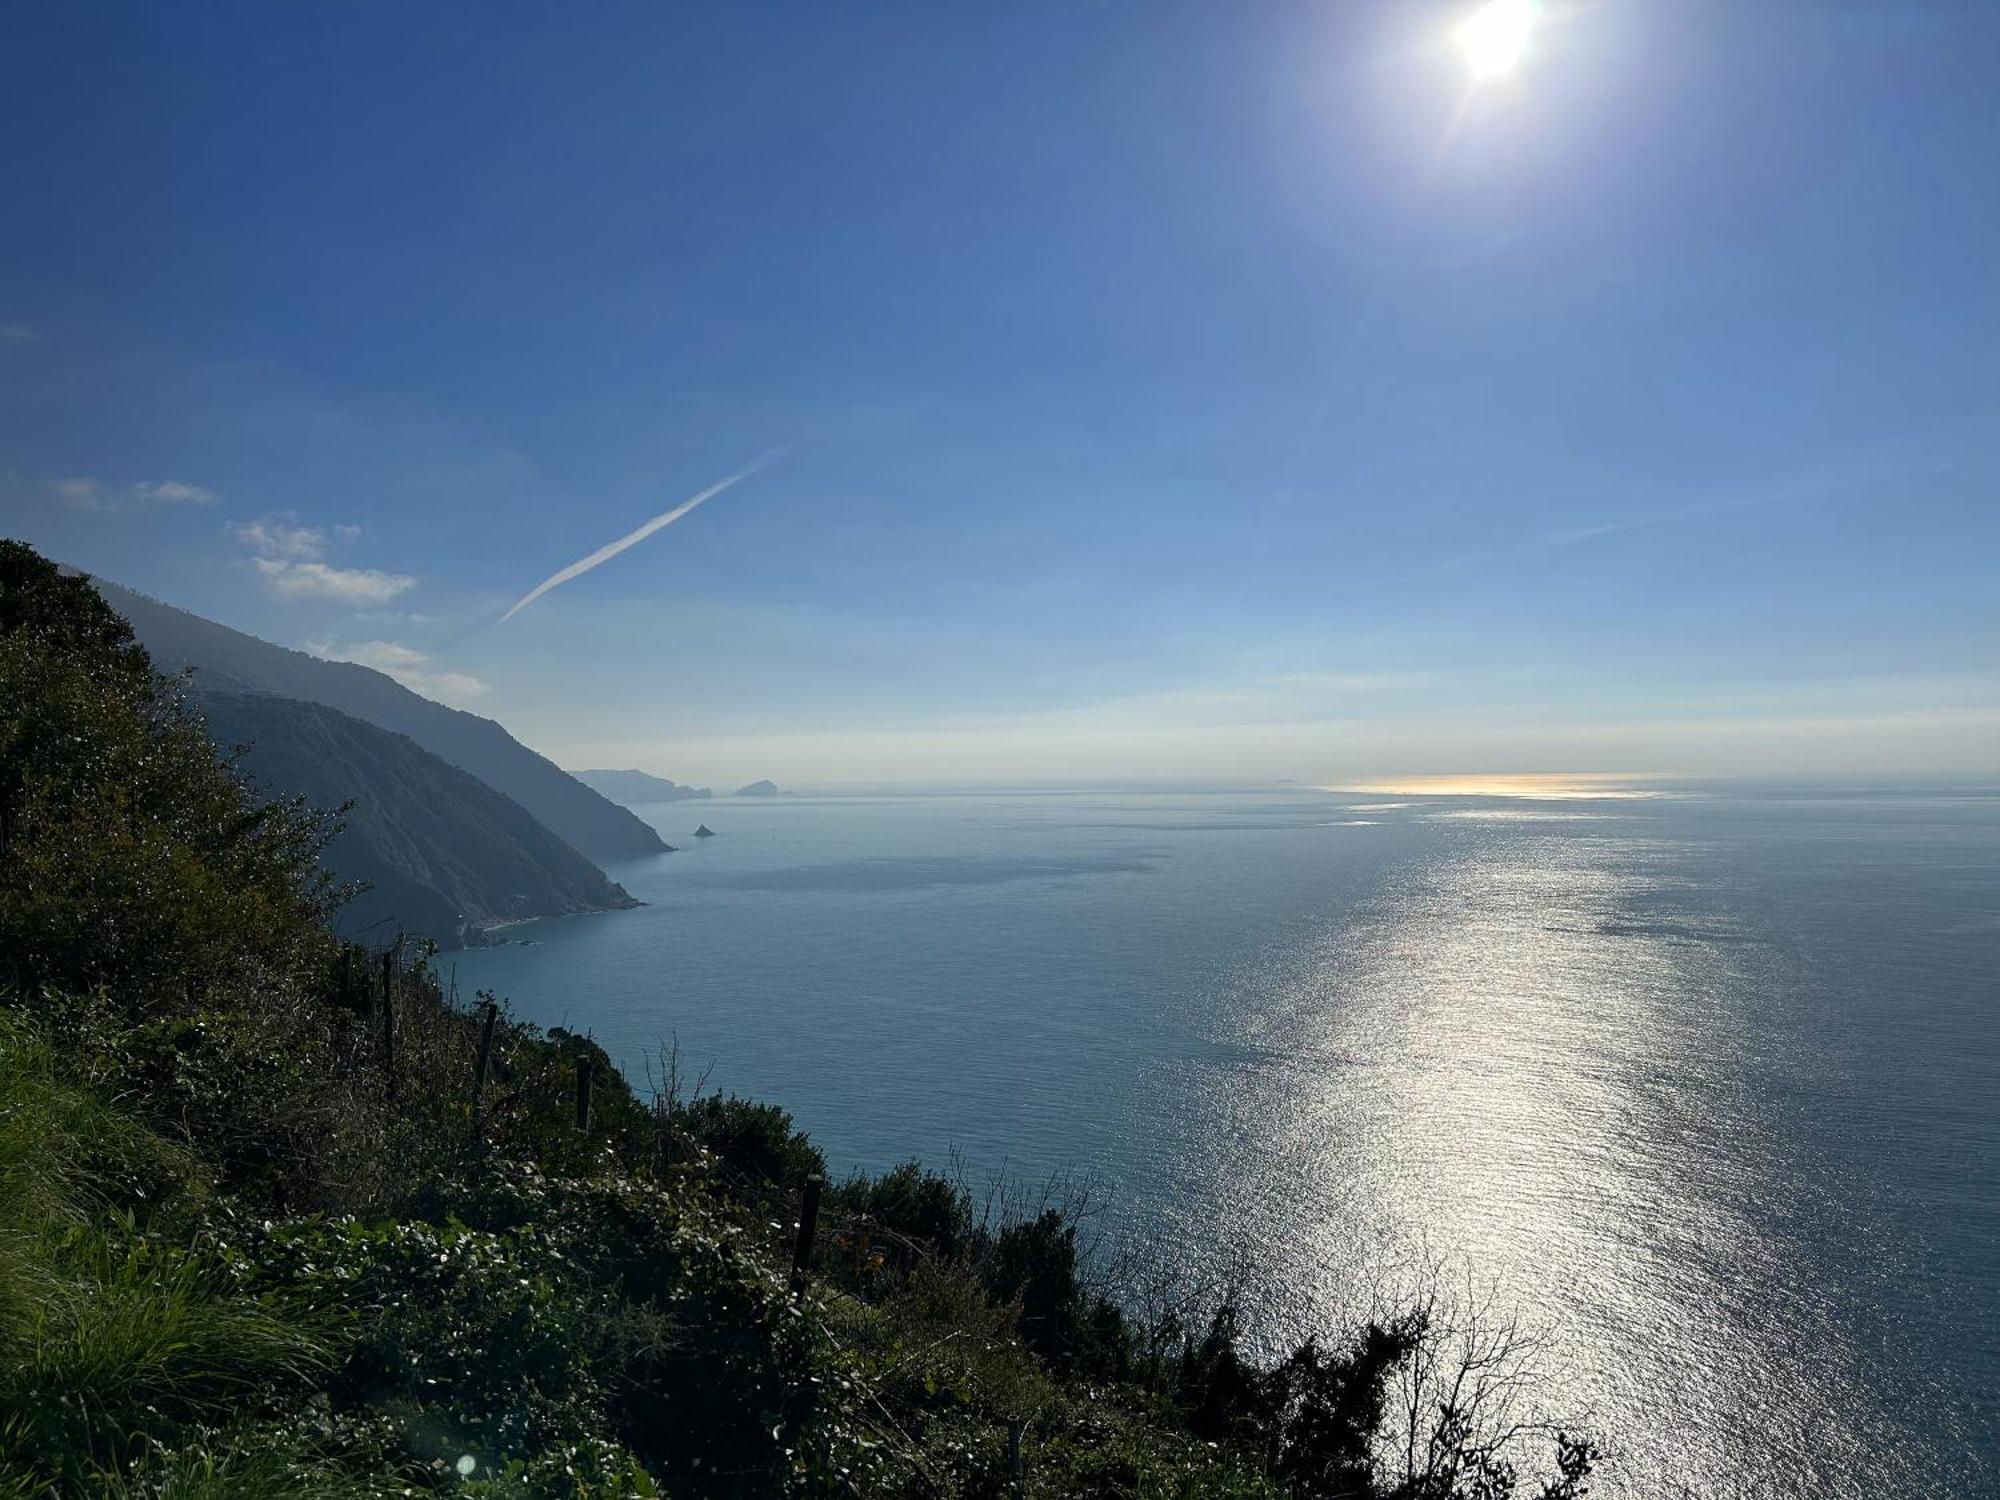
column 1695, row 1084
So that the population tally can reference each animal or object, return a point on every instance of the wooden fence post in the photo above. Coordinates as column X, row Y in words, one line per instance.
column 389, row 1022
column 586, row 1071
column 1014, row 1466
column 485, row 1063
column 802, row 1251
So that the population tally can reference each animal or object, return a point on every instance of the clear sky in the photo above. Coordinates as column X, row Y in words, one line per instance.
column 1163, row 389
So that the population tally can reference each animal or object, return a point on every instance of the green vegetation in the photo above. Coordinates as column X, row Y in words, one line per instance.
column 265, row 1231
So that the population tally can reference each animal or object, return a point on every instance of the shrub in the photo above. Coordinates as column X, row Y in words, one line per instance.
column 907, row 1213
column 755, row 1147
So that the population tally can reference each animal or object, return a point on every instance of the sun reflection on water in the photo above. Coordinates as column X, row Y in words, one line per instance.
column 1515, row 1061
column 1590, row 786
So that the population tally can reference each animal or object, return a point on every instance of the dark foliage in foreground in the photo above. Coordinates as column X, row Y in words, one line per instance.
column 263, row 1233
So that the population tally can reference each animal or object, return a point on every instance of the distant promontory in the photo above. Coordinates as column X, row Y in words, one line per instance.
column 758, row 789
column 636, row 788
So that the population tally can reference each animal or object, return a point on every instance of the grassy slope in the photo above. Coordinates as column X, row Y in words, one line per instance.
column 551, row 1312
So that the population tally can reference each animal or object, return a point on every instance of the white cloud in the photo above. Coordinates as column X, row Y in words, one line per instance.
column 292, row 562
column 447, row 687
column 318, row 580
column 17, row 333
column 271, row 538
column 409, row 666
column 389, row 656
column 91, row 494
column 174, row 492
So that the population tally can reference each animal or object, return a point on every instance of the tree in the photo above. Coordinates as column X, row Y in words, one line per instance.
column 132, row 853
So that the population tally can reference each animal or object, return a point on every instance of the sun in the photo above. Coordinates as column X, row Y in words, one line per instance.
column 1494, row 36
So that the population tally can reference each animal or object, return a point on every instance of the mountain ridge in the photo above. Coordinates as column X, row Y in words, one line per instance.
column 632, row 788
column 228, row 660
column 444, row 854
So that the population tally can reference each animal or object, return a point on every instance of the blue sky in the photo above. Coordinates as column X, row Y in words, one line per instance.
column 1163, row 389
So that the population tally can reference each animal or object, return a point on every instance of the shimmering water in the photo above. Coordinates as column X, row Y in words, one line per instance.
column 1708, row 1086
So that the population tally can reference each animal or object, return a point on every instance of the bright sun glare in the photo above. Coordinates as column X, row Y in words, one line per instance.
column 1494, row 36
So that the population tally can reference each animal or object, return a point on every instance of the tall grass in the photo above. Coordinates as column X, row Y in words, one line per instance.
column 115, row 1331
column 242, row 1472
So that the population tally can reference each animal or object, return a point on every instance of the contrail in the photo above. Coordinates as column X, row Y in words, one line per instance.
column 632, row 538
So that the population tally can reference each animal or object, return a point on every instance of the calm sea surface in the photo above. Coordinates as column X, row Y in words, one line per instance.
column 1707, row 1087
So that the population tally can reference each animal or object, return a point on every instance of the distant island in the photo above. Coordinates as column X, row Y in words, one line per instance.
column 635, row 788
column 704, row 832
column 758, row 789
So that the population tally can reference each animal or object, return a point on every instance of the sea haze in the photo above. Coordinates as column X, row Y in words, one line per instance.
column 1706, row 1085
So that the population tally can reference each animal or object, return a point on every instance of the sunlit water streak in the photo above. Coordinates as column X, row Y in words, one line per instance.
column 1706, row 1086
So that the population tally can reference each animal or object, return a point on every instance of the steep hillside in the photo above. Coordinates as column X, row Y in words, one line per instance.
column 228, row 660
column 444, row 853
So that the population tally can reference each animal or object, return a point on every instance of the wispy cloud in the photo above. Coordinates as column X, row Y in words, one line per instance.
column 409, row 666
column 94, row 495
column 291, row 559
column 270, row 538
column 1856, row 480
column 318, row 580
column 631, row 538
column 18, row 333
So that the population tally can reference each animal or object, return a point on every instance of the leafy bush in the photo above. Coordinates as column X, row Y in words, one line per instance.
column 908, row 1214
column 754, row 1146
